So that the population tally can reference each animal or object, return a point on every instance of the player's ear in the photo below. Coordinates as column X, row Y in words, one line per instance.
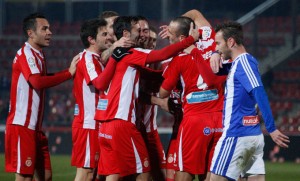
column 91, row 40
column 126, row 33
column 181, row 37
column 230, row 42
column 30, row 33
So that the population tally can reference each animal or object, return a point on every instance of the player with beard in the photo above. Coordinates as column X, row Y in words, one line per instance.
column 240, row 149
column 122, row 149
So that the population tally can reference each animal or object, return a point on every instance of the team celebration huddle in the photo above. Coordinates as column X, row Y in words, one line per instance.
column 205, row 78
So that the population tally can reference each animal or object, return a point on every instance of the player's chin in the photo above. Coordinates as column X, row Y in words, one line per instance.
column 108, row 44
column 47, row 43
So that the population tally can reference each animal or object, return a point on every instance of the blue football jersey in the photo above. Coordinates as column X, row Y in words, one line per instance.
column 239, row 114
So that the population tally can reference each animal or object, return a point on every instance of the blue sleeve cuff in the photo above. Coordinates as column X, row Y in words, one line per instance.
column 264, row 106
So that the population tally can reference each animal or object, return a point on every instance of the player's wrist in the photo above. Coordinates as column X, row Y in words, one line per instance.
column 215, row 52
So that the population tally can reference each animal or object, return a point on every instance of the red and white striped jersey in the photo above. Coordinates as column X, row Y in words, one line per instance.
column 197, row 97
column 165, row 63
column 119, row 101
column 149, row 117
column 26, row 104
column 86, row 96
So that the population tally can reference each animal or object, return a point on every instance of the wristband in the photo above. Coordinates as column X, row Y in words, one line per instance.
column 215, row 52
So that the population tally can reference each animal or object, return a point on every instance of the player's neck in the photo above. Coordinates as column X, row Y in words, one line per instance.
column 34, row 45
column 93, row 49
column 238, row 50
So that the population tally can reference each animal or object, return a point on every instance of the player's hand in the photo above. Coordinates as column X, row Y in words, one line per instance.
column 215, row 62
column 161, row 102
column 280, row 139
column 124, row 42
column 72, row 68
column 119, row 53
column 194, row 32
column 164, row 32
column 164, row 104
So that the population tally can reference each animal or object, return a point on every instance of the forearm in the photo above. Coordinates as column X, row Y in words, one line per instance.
column 263, row 104
column 106, row 54
column 162, row 103
column 169, row 51
column 163, row 93
column 38, row 81
column 205, row 70
column 156, row 100
column 197, row 16
column 102, row 81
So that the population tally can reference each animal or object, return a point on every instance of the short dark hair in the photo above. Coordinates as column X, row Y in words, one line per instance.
column 233, row 30
column 122, row 23
column 183, row 25
column 90, row 28
column 108, row 14
column 152, row 28
column 29, row 22
column 139, row 17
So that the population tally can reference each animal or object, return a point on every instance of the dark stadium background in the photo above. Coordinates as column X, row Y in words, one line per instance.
column 271, row 35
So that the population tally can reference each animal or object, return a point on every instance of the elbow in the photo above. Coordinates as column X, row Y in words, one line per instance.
column 36, row 85
column 100, row 87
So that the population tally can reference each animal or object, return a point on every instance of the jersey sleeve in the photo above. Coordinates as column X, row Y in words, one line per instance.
column 263, row 104
column 205, row 70
column 248, row 74
column 138, row 57
column 28, row 63
column 92, row 68
column 171, row 75
column 206, row 42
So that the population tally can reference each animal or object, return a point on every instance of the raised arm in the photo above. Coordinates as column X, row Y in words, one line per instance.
column 172, row 50
column 198, row 18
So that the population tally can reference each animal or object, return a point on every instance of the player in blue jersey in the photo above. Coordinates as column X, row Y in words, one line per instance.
column 240, row 149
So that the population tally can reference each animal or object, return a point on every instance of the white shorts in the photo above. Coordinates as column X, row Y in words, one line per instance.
column 238, row 156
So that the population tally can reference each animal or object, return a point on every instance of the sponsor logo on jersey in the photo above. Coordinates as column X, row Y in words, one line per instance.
column 105, row 136
column 250, row 120
column 206, row 32
column 170, row 158
column 28, row 162
column 31, row 62
column 146, row 163
column 76, row 110
column 102, row 104
column 217, row 130
column 202, row 96
column 91, row 70
column 206, row 131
